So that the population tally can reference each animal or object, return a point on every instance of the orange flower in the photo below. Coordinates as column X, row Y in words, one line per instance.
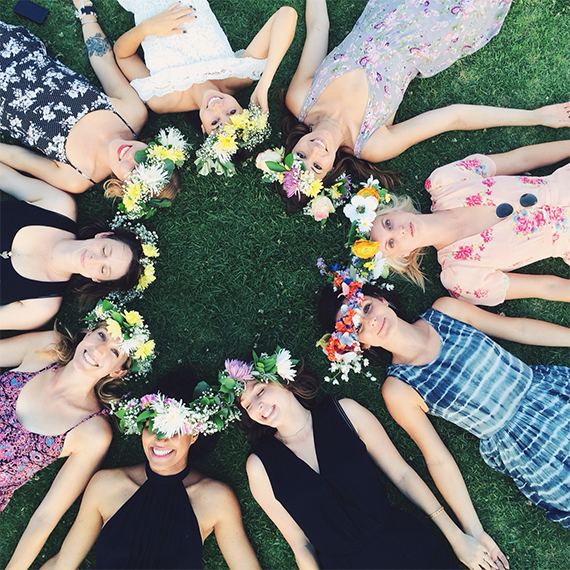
column 368, row 191
column 365, row 249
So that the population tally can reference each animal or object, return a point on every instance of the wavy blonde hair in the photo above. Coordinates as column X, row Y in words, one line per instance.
column 108, row 389
column 409, row 265
column 114, row 187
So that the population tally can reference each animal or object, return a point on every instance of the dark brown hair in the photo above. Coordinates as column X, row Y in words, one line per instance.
column 345, row 161
column 305, row 387
column 87, row 289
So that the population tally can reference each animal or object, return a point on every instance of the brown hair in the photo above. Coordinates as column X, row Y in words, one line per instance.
column 86, row 289
column 345, row 161
column 305, row 387
column 114, row 187
column 108, row 389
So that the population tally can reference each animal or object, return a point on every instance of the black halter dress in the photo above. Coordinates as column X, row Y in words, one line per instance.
column 155, row 528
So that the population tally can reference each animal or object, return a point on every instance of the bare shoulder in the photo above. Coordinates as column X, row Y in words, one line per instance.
column 450, row 306
column 204, row 488
column 35, row 349
column 92, row 436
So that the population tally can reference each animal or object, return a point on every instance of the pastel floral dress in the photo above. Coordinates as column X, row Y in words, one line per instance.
column 23, row 453
column 475, row 268
column 177, row 62
column 394, row 41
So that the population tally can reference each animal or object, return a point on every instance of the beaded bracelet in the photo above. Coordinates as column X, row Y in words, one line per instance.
column 438, row 512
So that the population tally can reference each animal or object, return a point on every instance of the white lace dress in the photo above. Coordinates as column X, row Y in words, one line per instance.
column 177, row 62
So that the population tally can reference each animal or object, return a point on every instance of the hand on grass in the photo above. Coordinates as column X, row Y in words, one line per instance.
column 554, row 116
column 168, row 22
column 259, row 97
column 474, row 554
column 495, row 552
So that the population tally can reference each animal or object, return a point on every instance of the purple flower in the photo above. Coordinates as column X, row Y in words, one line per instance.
column 238, row 370
column 291, row 181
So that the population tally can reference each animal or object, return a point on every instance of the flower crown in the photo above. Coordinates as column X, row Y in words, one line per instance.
column 148, row 240
column 208, row 413
column 155, row 165
column 264, row 368
column 246, row 130
column 127, row 327
column 342, row 347
column 367, row 263
column 291, row 173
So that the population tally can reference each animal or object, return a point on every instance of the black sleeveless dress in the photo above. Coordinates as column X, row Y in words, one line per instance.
column 344, row 510
column 155, row 528
column 15, row 215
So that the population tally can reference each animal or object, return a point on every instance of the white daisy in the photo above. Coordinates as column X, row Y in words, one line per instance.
column 285, row 367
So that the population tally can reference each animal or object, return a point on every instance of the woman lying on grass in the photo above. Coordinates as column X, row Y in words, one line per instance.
column 55, row 402
column 44, row 253
column 343, row 104
column 486, row 223
column 158, row 514
column 312, row 470
column 444, row 364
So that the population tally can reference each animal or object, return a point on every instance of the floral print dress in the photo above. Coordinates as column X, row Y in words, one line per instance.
column 475, row 268
column 394, row 41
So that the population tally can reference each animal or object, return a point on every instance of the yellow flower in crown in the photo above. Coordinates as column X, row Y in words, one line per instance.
column 147, row 277
column 239, row 121
column 369, row 265
column 365, row 249
column 160, row 153
column 132, row 196
column 114, row 329
column 145, row 350
column 314, row 187
column 387, row 197
column 226, row 143
column 133, row 318
column 150, row 250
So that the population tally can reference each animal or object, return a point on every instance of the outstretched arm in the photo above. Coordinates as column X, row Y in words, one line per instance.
column 409, row 410
column 392, row 140
column 89, row 442
column 314, row 51
column 386, row 456
column 262, row 492
column 271, row 42
column 530, row 157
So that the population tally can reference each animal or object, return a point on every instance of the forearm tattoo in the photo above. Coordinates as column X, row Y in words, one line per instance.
column 97, row 45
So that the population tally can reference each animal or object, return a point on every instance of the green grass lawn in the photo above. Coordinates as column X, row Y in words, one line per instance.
column 237, row 272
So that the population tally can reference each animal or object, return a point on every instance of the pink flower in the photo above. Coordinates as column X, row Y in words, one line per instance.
column 487, row 235
column 474, row 200
column 481, row 293
column 488, row 182
column 428, row 184
column 238, row 370
column 321, row 207
column 464, row 252
column 147, row 400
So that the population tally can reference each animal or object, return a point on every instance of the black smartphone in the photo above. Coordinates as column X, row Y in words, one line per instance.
column 31, row 11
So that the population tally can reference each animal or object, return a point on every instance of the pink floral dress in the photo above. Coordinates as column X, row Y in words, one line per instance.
column 474, row 269
column 394, row 41
column 23, row 453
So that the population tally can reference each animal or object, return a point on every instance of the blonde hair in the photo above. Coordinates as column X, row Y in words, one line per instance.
column 114, row 187
column 108, row 389
column 409, row 265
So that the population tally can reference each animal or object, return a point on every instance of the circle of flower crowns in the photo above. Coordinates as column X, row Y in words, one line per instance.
column 342, row 347
column 244, row 130
column 155, row 165
column 264, row 368
column 127, row 327
column 367, row 262
column 291, row 173
column 148, row 240
column 211, row 411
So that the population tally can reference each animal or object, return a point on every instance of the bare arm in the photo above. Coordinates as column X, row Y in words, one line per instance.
column 85, row 530
column 387, row 457
column 21, row 351
column 28, row 314
column 409, row 410
column 392, row 140
column 230, row 535
column 525, row 331
column 530, row 157
column 314, row 51
column 271, row 42
column 89, row 442
column 549, row 287
column 263, row 493
column 32, row 190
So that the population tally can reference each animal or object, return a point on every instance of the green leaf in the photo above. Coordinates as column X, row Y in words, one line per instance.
column 275, row 166
column 159, row 203
column 289, row 160
column 140, row 156
column 200, row 388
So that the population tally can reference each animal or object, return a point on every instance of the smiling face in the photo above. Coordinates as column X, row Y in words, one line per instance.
column 102, row 258
column 397, row 233
column 167, row 456
column 317, row 150
column 267, row 404
column 99, row 355
column 216, row 110
column 121, row 155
